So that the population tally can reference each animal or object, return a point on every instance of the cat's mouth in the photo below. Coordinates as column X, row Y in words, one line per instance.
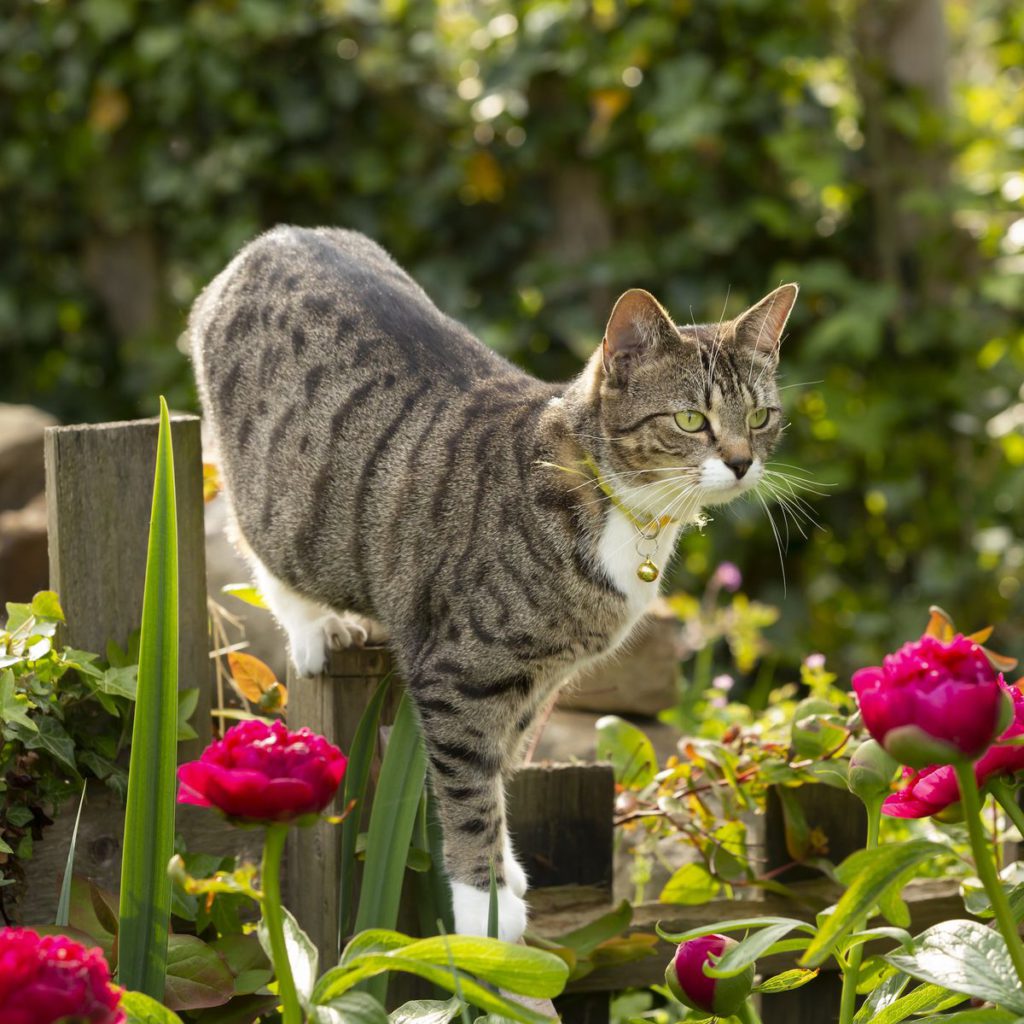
column 720, row 484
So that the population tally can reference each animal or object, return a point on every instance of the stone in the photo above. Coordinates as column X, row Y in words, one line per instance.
column 24, row 568
column 21, row 454
column 640, row 679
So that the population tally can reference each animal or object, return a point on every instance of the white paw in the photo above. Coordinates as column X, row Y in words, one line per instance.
column 308, row 650
column 472, row 905
column 310, row 644
column 515, row 876
column 346, row 630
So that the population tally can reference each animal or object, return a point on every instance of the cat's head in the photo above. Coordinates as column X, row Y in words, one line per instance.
column 688, row 414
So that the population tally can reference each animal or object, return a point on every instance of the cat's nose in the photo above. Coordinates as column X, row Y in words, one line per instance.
column 739, row 466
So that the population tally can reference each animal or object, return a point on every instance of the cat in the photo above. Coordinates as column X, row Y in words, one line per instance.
column 382, row 462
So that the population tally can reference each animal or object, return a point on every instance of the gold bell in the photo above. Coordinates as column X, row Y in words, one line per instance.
column 647, row 571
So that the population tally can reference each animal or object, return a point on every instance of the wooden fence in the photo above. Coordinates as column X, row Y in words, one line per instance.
column 99, row 487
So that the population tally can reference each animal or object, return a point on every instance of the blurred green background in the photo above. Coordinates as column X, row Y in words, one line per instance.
column 527, row 162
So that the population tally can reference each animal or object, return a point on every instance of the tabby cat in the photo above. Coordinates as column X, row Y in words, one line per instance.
column 382, row 462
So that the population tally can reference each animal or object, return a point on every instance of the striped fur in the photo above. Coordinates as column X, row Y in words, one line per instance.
column 380, row 460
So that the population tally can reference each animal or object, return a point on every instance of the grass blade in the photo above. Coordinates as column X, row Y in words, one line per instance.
column 64, row 901
column 492, row 905
column 392, row 819
column 357, row 780
column 149, row 818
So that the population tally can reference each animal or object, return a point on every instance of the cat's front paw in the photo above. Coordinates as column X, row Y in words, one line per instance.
column 310, row 644
column 472, row 906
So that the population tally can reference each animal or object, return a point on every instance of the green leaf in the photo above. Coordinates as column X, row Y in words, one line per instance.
column 873, row 873
column 357, row 1008
column 690, row 885
column 341, row 979
column 149, row 817
column 735, row 925
column 426, row 1011
column 392, row 819
column 51, row 736
column 245, row 592
column 886, row 992
column 357, row 780
column 986, row 1015
column 187, row 701
column 64, row 900
column 787, row 981
column 45, row 605
column 965, row 956
column 302, row 954
column 14, row 706
column 583, row 941
column 746, row 952
column 141, row 1009
column 197, row 975
column 120, row 682
column 628, row 749
column 921, row 1000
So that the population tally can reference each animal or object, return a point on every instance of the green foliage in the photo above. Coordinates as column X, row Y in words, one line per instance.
column 527, row 161
column 64, row 717
column 145, row 958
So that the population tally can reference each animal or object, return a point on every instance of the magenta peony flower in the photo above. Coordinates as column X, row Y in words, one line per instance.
column 728, row 576
column 934, row 789
column 932, row 702
column 692, row 987
column 261, row 772
column 52, row 978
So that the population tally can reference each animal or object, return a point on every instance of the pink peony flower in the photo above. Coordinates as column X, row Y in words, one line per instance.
column 52, row 978
column 932, row 702
column 934, row 789
column 728, row 576
column 692, row 987
column 261, row 772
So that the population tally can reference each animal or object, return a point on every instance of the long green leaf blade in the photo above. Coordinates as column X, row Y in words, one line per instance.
column 357, row 780
column 392, row 819
column 877, row 872
column 64, row 900
column 149, row 818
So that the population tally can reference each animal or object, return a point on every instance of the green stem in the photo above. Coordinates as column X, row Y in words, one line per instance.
column 851, row 972
column 747, row 1014
column 970, row 800
column 273, row 917
column 1007, row 798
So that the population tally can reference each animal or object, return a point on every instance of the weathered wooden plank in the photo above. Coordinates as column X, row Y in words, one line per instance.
column 99, row 487
column 841, row 818
column 332, row 705
column 98, row 851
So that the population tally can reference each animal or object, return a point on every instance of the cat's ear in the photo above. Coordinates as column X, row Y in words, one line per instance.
column 638, row 325
column 762, row 325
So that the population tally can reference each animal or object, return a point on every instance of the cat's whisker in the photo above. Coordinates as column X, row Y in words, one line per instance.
column 800, row 384
column 789, row 512
column 716, row 346
column 778, row 540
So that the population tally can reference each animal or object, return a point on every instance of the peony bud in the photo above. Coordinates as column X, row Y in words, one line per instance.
column 871, row 771
column 686, row 979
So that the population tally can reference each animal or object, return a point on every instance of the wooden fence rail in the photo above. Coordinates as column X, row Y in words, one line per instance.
column 99, row 487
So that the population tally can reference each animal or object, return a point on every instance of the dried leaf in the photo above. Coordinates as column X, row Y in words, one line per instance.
column 252, row 677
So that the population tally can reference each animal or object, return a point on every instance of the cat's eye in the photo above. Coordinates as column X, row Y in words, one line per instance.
column 690, row 420
column 758, row 418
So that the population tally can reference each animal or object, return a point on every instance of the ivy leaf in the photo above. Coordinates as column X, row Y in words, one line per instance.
column 691, row 885
column 14, row 707
column 51, row 736
column 629, row 750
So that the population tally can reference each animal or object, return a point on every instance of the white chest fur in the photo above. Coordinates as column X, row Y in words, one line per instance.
column 617, row 552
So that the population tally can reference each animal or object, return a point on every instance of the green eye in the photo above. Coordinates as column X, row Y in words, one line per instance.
column 758, row 418
column 691, row 421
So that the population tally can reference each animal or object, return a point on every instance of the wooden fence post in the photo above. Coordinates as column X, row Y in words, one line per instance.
column 331, row 704
column 841, row 818
column 99, row 492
